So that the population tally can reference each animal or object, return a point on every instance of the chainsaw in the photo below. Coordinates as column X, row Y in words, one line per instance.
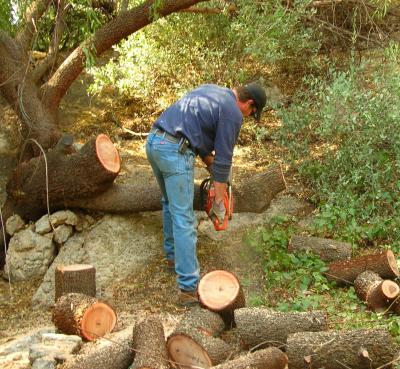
column 207, row 192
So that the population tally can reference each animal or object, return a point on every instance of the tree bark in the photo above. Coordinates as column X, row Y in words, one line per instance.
column 269, row 358
column 260, row 327
column 358, row 349
column 79, row 278
column 328, row 250
column 149, row 345
column 345, row 272
column 82, row 315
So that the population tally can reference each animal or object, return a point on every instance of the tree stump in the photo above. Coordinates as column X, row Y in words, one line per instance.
column 115, row 352
column 193, row 344
column 269, row 358
column 328, row 250
column 357, row 349
column 374, row 291
column 261, row 327
column 78, row 278
column 149, row 345
column 220, row 291
column 345, row 272
column 85, row 316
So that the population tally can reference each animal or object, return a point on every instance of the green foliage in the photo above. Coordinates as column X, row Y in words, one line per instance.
column 343, row 136
column 6, row 21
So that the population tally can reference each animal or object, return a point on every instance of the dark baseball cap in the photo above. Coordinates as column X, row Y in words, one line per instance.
column 259, row 97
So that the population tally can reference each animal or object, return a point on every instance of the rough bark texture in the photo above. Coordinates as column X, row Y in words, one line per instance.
column 328, row 250
column 253, row 195
column 205, row 320
column 113, row 352
column 69, row 176
column 75, row 278
column 345, row 272
column 358, row 349
column 269, row 358
column 149, row 345
column 82, row 315
column 261, row 327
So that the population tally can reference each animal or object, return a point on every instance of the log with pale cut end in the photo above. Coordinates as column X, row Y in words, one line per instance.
column 149, row 345
column 221, row 291
column 328, row 250
column 86, row 173
column 269, row 358
column 78, row 278
column 112, row 352
column 357, row 349
column 262, row 327
column 345, row 272
column 85, row 316
column 377, row 293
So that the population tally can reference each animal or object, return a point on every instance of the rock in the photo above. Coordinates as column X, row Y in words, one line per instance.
column 42, row 226
column 63, row 217
column 14, row 224
column 84, row 222
column 44, row 363
column 29, row 255
column 62, row 233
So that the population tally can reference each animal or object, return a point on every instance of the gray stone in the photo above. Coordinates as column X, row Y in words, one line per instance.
column 14, row 224
column 43, row 226
column 63, row 217
column 45, row 363
column 62, row 233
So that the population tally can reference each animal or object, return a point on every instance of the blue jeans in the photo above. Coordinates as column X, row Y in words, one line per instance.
column 175, row 176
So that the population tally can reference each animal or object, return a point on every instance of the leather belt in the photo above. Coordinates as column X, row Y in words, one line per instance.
column 166, row 135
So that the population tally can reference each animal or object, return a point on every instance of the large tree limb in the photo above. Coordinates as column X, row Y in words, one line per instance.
column 120, row 27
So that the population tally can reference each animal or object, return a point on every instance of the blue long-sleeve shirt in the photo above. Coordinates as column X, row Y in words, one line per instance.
column 210, row 119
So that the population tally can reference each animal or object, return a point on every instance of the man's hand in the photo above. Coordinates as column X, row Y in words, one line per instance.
column 218, row 210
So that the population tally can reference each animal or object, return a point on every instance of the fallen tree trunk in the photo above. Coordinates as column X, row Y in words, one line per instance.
column 345, row 272
column 358, row 349
column 79, row 278
column 220, row 291
column 252, row 195
column 269, row 358
column 377, row 293
column 261, row 327
column 149, row 345
column 328, row 250
column 82, row 315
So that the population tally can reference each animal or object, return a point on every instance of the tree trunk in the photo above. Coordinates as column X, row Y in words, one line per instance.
column 328, row 250
column 253, row 195
column 345, row 272
column 358, row 349
column 90, row 171
column 79, row 278
column 260, row 327
column 115, row 352
column 220, row 291
column 84, row 316
column 149, row 345
column 269, row 358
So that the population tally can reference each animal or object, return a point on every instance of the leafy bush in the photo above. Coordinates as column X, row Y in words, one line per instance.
column 343, row 136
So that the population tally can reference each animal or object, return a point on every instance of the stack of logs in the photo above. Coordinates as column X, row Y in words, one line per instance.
column 224, row 334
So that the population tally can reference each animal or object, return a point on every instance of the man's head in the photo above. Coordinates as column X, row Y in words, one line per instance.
column 251, row 99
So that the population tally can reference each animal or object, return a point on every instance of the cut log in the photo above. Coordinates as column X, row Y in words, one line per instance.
column 358, row 349
column 82, row 315
column 86, row 173
column 377, row 293
column 149, row 345
column 192, row 343
column 328, row 250
column 261, row 327
column 220, row 291
column 78, row 278
column 345, row 272
column 269, row 358
column 252, row 195
column 113, row 352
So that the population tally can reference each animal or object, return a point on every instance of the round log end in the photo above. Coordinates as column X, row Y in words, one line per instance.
column 218, row 290
column 107, row 154
column 74, row 267
column 97, row 321
column 189, row 354
column 390, row 289
column 392, row 262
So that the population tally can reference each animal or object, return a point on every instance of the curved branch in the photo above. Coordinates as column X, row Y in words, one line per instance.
column 110, row 34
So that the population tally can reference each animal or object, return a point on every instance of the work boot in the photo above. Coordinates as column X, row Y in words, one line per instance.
column 187, row 298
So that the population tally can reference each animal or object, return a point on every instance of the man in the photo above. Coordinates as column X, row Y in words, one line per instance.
column 204, row 122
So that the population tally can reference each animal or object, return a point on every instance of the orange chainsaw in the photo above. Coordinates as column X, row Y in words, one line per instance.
column 207, row 192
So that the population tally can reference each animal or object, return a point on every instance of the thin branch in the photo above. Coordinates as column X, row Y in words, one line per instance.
column 231, row 9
